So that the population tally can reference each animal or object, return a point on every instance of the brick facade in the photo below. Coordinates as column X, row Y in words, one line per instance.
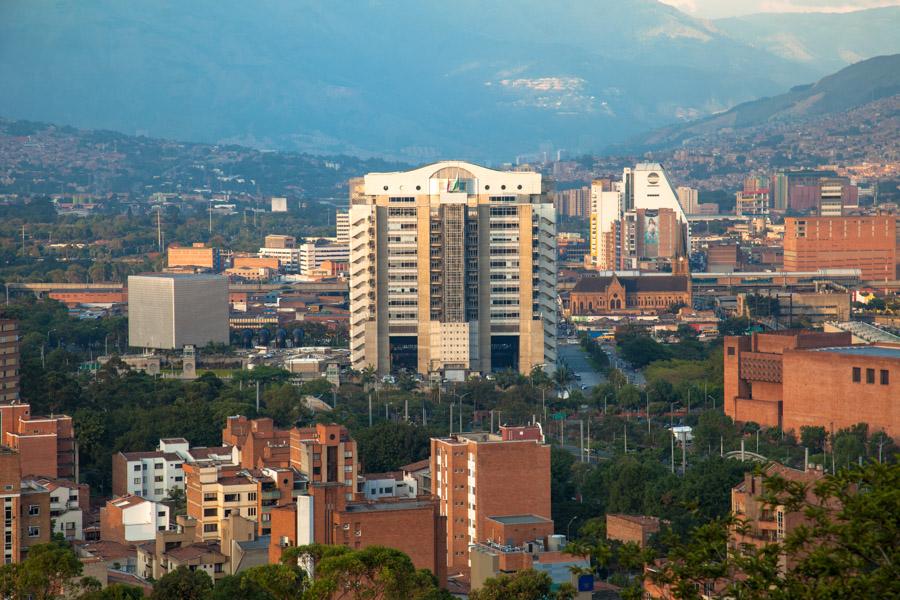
column 767, row 380
column 865, row 243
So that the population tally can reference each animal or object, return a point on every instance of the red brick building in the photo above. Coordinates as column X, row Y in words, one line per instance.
column 621, row 294
column 795, row 378
column 631, row 528
column 852, row 242
column 762, row 523
column 47, row 444
column 477, row 476
column 413, row 526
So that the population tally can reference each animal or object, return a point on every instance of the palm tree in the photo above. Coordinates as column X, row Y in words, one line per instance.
column 367, row 376
column 563, row 376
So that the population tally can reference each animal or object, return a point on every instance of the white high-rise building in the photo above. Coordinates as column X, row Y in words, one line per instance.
column 342, row 224
column 452, row 270
column 605, row 213
column 689, row 198
column 642, row 220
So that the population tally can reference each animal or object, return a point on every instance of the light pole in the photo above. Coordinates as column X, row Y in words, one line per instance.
column 570, row 525
column 460, row 397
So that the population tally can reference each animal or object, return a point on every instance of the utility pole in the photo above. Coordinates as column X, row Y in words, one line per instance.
column 451, row 418
column 424, row 416
column 589, row 440
column 406, row 410
column 626, row 439
column 672, row 435
column 159, row 229
column 370, row 408
column 257, row 396
column 647, row 394
column 581, row 437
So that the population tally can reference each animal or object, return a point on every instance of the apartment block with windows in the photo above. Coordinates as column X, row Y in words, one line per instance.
column 46, row 444
column 452, row 270
column 34, row 517
column 326, row 454
column 216, row 491
column 477, row 476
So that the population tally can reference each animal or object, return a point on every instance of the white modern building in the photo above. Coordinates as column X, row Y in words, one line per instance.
column 315, row 251
column 171, row 310
column 452, row 270
column 641, row 220
column 279, row 204
column 65, row 507
column 342, row 225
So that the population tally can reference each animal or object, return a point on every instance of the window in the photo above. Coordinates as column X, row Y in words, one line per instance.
column 158, row 479
column 34, row 510
column 137, row 481
column 210, row 512
column 870, row 375
column 857, row 374
column 161, row 513
column 731, row 351
column 209, row 496
column 158, row 491
column 34, row 531
column 137, row 468
column 251, row 497
column 210, row 527
column 232, row 497
column 157, row 465
column 251, row 512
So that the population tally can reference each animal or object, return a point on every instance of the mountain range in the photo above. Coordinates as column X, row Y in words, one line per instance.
column 406, row 79
column 852, row 87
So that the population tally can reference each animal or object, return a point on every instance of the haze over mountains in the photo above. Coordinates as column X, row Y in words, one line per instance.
column 857, row 85
column 407, row 79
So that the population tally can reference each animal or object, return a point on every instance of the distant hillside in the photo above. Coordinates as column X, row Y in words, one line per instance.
column 849, row 88
column 410, row 79
column 829, row 41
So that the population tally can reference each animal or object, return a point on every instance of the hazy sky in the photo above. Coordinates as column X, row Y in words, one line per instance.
column 714, row 9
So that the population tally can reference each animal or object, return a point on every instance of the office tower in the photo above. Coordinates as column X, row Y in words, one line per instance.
column 751, row 202
column 279, row 204
column 284, row 249
column 315, row 251
column 802, row 189
column 605, row 211
column 169, row 311
column 831, row 198
column 197, row 255
column 865, row 243
column 480, row 476
column 453, row 270
column 342, row 225
column 688, row 198
column 9, row 361
column 642, row 223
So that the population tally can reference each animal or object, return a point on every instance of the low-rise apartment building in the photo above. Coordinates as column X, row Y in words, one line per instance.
column 477, row 476
column 132, row 519
column 68, row 503
column 46, row 444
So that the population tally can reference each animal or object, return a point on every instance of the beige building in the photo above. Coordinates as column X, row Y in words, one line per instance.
column 452, row 270
column 217, row 492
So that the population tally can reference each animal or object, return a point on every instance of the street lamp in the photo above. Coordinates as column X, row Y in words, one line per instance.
column 569, row 525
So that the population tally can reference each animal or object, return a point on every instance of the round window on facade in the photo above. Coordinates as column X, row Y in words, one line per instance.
column 503, row 187
column 418, row 187
column 519, row 186
column 385, row 188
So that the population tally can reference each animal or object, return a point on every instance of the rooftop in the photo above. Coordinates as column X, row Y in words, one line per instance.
column 874, row 350
column 380, row 506
column 520, row 519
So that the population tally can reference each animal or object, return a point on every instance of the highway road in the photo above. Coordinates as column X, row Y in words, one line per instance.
column 574, row 356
